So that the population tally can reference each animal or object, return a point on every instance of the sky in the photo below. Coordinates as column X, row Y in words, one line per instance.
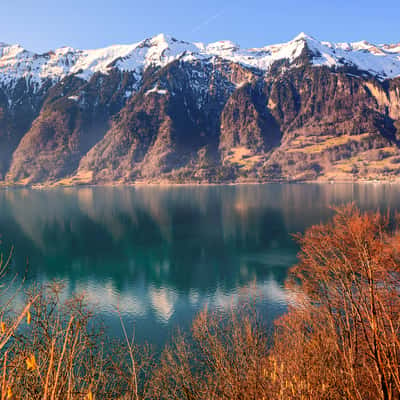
column 43, row 25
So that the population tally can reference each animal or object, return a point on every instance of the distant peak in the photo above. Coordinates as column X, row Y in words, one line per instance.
column 303, row 36
column 223, row 45
column 14, row 46
column 362, row 44
column 163, row 38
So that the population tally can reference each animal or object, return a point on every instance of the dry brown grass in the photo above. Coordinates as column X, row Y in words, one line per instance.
column 243, row 157
column 308, row 145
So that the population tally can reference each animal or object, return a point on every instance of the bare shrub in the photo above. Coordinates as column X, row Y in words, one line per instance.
column 62, row 353
column 224, row 358
column 341, row 339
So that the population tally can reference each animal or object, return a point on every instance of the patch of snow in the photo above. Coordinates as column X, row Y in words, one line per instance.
column 241, row 84
column 391, row 48
column 156, row 90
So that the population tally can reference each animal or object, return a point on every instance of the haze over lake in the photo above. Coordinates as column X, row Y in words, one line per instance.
column 162, row 253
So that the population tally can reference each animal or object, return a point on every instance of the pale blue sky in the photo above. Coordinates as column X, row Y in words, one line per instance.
column 43, row 24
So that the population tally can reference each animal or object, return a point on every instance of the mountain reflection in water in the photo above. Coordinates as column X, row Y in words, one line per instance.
column 161, row 253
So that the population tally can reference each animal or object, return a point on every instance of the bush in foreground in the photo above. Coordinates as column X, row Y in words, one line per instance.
column 341, row 340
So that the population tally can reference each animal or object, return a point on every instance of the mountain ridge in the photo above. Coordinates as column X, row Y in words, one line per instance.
column 168, row 110
column 56, row 64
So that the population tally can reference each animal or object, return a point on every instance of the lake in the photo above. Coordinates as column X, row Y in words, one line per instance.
column 160, row 254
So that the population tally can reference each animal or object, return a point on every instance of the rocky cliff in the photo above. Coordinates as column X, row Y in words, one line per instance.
column 164, row 110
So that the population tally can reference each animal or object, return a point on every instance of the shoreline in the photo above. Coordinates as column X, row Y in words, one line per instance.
column 197, row 184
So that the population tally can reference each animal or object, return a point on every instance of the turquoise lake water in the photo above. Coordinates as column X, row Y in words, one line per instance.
column 161, row 254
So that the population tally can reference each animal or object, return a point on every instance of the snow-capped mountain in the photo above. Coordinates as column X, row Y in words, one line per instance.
column 16, row 62
column 165, row 109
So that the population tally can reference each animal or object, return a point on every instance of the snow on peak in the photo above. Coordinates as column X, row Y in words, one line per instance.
column 382, row 61
column 158, row 50
column 392, row 48
column 377, row 60
column 223, row 46
column 302, row 36
column 161, row 37
column 261, row 58
column 16, row 63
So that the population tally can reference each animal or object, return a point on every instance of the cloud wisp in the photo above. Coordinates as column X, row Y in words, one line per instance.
column 208, row 21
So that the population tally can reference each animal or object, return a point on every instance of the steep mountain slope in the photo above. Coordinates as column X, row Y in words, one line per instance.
column 171, row 126
column 74, row 117
column 168, row 110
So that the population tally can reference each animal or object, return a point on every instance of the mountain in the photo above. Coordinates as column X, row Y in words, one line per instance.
column 165, row 110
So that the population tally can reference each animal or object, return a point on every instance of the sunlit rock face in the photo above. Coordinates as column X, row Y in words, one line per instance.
column 165, row 110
